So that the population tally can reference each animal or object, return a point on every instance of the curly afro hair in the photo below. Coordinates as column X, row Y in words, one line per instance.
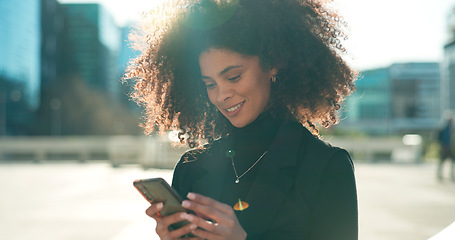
column 302, row 39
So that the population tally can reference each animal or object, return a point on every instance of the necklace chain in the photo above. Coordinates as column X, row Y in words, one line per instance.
column 235, row 171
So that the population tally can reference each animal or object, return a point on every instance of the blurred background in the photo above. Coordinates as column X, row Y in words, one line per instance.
column 62, row 102
column 61, row 64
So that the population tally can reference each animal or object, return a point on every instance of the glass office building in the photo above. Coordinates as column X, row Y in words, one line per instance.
column 368, row 109
column 19, row 65
column 402, row 98
column 416, row 103
column 20, row 49
column 448, row 77
column 448, row 67
column 94, row 43
column 127, row 53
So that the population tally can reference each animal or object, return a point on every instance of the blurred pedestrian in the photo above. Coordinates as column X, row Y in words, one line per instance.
column 445, row 143
column 252, row 78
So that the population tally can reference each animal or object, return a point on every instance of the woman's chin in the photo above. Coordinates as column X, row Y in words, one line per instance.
column 239, row 123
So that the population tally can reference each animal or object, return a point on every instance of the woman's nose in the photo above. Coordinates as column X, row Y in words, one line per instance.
column 224, row 92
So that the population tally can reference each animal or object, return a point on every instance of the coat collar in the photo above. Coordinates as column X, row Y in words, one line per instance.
column 212, row 171
column 271, row 185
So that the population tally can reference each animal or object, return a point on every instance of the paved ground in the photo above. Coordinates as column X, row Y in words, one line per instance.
column 403, row 202
column 74, row 201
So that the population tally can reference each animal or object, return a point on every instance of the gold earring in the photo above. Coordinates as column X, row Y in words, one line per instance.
column 273, row 79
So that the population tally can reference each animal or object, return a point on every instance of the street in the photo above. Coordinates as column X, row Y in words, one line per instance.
column 73, row 201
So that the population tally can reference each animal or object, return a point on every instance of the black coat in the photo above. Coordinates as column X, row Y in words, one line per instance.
column 304, row 188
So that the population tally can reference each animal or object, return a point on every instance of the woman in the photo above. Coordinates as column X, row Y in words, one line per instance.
column 247, row 76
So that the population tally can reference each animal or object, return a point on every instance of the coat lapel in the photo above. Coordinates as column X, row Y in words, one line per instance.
column 212, row 173
column 272, row 184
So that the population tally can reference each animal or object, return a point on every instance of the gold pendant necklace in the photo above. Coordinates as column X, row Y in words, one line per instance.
column 231, row 154
column 241, row 205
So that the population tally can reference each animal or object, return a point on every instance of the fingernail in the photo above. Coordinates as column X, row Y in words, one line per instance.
column 191, row 196
column 193, row 226
column 186, row 204
column 159, row 205
column 189, row 217
column 184, row 216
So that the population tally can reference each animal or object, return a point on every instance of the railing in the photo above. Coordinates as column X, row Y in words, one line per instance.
column 406, row 149
column 159, row 152
column 149, row 152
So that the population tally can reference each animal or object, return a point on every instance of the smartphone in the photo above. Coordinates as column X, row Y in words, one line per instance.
column 157, row 190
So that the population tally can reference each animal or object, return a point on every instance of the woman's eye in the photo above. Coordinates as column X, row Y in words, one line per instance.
column 235, row 78
column 210, row 85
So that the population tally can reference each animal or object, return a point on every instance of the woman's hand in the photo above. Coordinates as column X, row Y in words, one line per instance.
column 224, row 223
column 162, row 223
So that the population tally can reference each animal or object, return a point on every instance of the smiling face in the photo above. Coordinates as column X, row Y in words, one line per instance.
column 236, row 84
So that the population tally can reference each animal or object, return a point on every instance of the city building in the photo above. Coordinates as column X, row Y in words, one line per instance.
column 19, row 65
column 448, row 67
column 52, row 26
column 402, row 98
column 368, row 109
column 59, row 70
column 127, row 52
column 415, row 91
column 90, row 98
column 92, row 41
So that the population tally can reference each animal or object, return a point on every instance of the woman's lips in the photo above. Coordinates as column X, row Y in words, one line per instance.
column 234, row 109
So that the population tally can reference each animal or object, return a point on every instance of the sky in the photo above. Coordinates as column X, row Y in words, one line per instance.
column 381, row 32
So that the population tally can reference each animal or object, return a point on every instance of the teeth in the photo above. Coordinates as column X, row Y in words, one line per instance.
column 234, row 107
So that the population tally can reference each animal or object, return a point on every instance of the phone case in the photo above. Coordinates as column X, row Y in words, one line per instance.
column 157, row 190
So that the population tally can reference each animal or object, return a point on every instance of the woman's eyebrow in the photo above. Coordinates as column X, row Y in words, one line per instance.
column 229, row 68
column 223, row 71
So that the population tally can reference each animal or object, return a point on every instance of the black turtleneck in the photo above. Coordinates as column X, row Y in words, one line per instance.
column 249, row 143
